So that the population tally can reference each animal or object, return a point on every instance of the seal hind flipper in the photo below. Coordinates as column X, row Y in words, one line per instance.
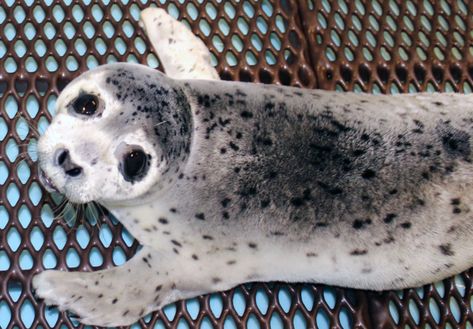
column 183, row 55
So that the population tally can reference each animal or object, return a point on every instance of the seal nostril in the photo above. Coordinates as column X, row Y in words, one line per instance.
column 74, row 171
column 62, row 156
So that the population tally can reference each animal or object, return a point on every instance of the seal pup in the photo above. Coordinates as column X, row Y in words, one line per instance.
column 225, row 183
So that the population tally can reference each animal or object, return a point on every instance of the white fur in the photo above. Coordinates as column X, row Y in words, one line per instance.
column 92, row 139
column 171, row 39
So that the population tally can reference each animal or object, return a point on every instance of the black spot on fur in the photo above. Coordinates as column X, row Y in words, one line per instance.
column 406, row 225
column 446, row 249
column 455, row 142
column 176, row 243
column 359, row 223
column 297, row 202
column 358, row 252
column 389, row 218
column 264, row 203
column 358, row 153
column 368, row 174
column 455, row 201
column 225, row 202
column 252, row 245
column 246, row 115
column 163, row 221
column 223, row 123
column 419, row 127
column 234, row 146
column 200, row 216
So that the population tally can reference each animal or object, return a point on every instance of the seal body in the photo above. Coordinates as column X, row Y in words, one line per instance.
column 260, row 183
column 325, row 185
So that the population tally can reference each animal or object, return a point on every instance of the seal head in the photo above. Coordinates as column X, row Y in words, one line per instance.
column 120, row 130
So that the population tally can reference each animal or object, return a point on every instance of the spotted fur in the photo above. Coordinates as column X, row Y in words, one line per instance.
column 252, row 182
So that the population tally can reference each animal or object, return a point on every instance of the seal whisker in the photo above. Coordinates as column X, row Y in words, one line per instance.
column 23, row 156
column 65, row 207
column 160, row 123
column 91, row 205
column 75, row 209
column 36, row 132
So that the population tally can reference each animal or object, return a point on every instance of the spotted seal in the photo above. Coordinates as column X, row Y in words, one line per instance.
column 225, row 183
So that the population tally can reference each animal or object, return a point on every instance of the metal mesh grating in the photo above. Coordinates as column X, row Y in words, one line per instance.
column 391, row 46
column 378, row 46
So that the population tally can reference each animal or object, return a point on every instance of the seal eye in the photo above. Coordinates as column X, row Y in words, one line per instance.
column 86, row 104
column 134, row 165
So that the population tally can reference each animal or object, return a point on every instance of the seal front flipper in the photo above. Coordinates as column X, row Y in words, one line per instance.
column 183, row 55
column 117, row 296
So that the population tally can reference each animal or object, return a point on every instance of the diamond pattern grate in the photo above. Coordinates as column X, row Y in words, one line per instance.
column 391, row 46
